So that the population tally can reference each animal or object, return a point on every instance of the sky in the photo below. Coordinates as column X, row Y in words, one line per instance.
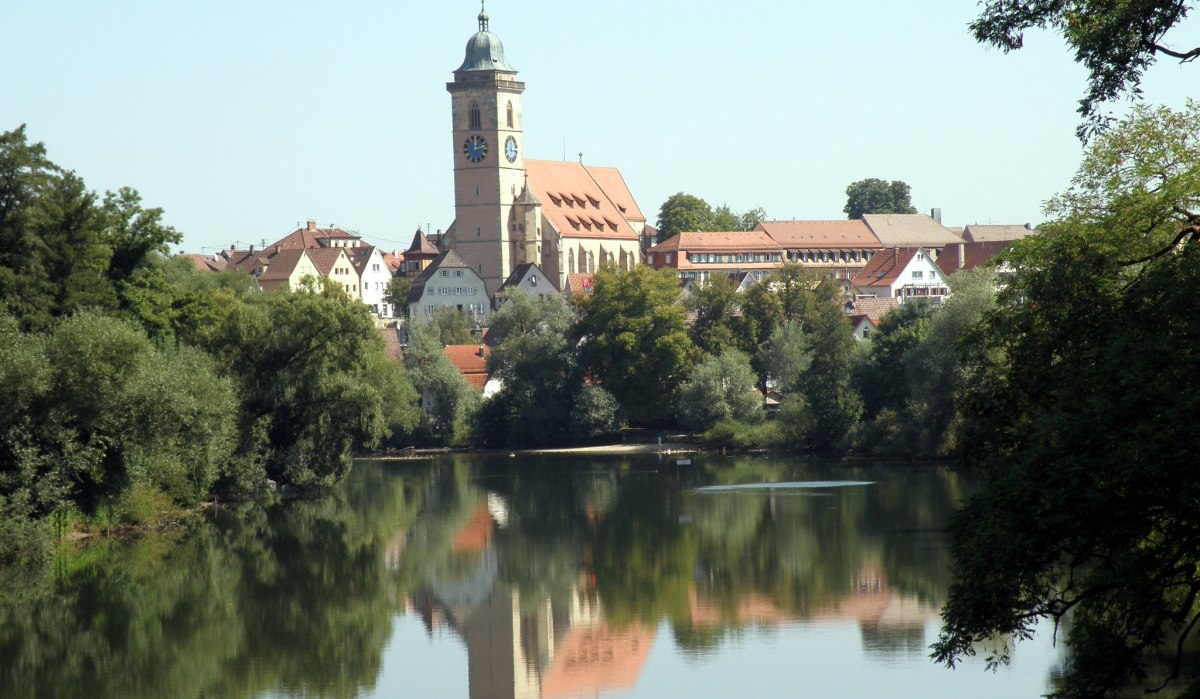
column 243, row 119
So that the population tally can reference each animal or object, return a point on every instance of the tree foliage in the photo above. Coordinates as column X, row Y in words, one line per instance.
column 536, row 367
column 876, row 196
column 62, row 250
column 632, row 339
column 685, row 212
column 721, row 387
column 1078, row 414
column 1115, row 41
column 448, row 398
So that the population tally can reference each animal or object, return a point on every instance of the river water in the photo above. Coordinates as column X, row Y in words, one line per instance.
column 545, row 578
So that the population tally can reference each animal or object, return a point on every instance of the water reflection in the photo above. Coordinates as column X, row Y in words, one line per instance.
column 559, row 577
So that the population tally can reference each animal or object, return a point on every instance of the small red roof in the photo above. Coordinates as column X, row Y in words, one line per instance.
column 310, row 237
column 885, row 267
column 579, row 283
column 471, row 362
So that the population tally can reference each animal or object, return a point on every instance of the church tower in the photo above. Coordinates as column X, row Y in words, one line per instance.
column 489, row 167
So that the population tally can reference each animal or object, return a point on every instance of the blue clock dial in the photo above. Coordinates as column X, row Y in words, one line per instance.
column 475, row 148
column 510, row 149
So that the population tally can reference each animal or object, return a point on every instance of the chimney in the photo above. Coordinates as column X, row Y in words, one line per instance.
column 251, row 249
column 482, row 350
column 962, row 255
column 312, row 225
column 936, row 215
column 1028, row 226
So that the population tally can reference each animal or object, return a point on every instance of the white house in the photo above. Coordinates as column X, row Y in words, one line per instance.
column 902, row 274
column 374, row 277
column 449, row 281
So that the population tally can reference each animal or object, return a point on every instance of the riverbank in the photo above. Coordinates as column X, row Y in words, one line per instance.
column 601, row 450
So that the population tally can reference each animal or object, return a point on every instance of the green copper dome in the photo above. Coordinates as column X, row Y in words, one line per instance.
column 484, row 50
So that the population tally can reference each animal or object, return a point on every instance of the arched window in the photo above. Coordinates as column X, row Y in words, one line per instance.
column 570, row 262
column 510, row 121
column 591, row 263
column 476, row 122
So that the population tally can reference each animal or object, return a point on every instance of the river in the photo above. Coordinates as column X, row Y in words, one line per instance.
column 546, row 577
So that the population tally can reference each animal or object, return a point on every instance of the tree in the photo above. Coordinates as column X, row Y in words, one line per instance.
column 720, row 388
column 397, row 293
column 452, row 326
column 534, row 363
column 62, row 250
column 684, row 212
column 1116, row 42
column 448, row 397
column 1138, row 188
column 1077, row 414
column 794, row 301
column 632, row 338
column 875, row 196
column 714, row 305
column 304, row 363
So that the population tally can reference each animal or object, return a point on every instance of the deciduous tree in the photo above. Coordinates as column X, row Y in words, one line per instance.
column 876, row 196
column 1078, row 415
column 632, row 338
column 1116, row 41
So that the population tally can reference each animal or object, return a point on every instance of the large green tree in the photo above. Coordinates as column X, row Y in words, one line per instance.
column 685, row 212
column 62, row 249
column 536, row 367
column 313, row 384
column 1078, row 413
column 1115, row 41
column 876, row 196
column 632, row 338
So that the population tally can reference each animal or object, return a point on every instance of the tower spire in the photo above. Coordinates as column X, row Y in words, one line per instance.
column 483, row 16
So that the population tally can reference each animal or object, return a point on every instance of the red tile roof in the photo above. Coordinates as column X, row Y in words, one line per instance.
column 279, row 268
column 577, row 205
column 725, row 241
column 885, row 266
column 471, row 362
column 798, row 235
column 579, row 283
column 325, row 258
column 204, row 263
column 309, row 237
column 391, row 341
column 873, row 309
column 420, row 247
column 392, row 261
column 969, row 255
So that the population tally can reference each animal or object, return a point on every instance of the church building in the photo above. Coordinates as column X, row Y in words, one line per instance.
column 565, row 217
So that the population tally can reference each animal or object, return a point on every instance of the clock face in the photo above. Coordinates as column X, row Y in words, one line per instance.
column 475, row 148
column 510, row 149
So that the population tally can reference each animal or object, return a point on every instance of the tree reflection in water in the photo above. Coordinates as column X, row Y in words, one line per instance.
column 554, row 572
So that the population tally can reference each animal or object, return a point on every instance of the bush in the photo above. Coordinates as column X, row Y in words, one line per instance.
column 720, row 388
column 596, row 414
column 733, row 434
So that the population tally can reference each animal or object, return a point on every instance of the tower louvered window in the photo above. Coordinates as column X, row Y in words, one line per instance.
column 476, row 121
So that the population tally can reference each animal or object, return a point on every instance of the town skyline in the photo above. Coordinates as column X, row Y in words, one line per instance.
column 241, row 122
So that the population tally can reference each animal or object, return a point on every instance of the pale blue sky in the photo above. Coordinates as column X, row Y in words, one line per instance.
column 241, row 119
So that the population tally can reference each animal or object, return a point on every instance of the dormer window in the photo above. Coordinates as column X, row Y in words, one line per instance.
column 476, row 122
